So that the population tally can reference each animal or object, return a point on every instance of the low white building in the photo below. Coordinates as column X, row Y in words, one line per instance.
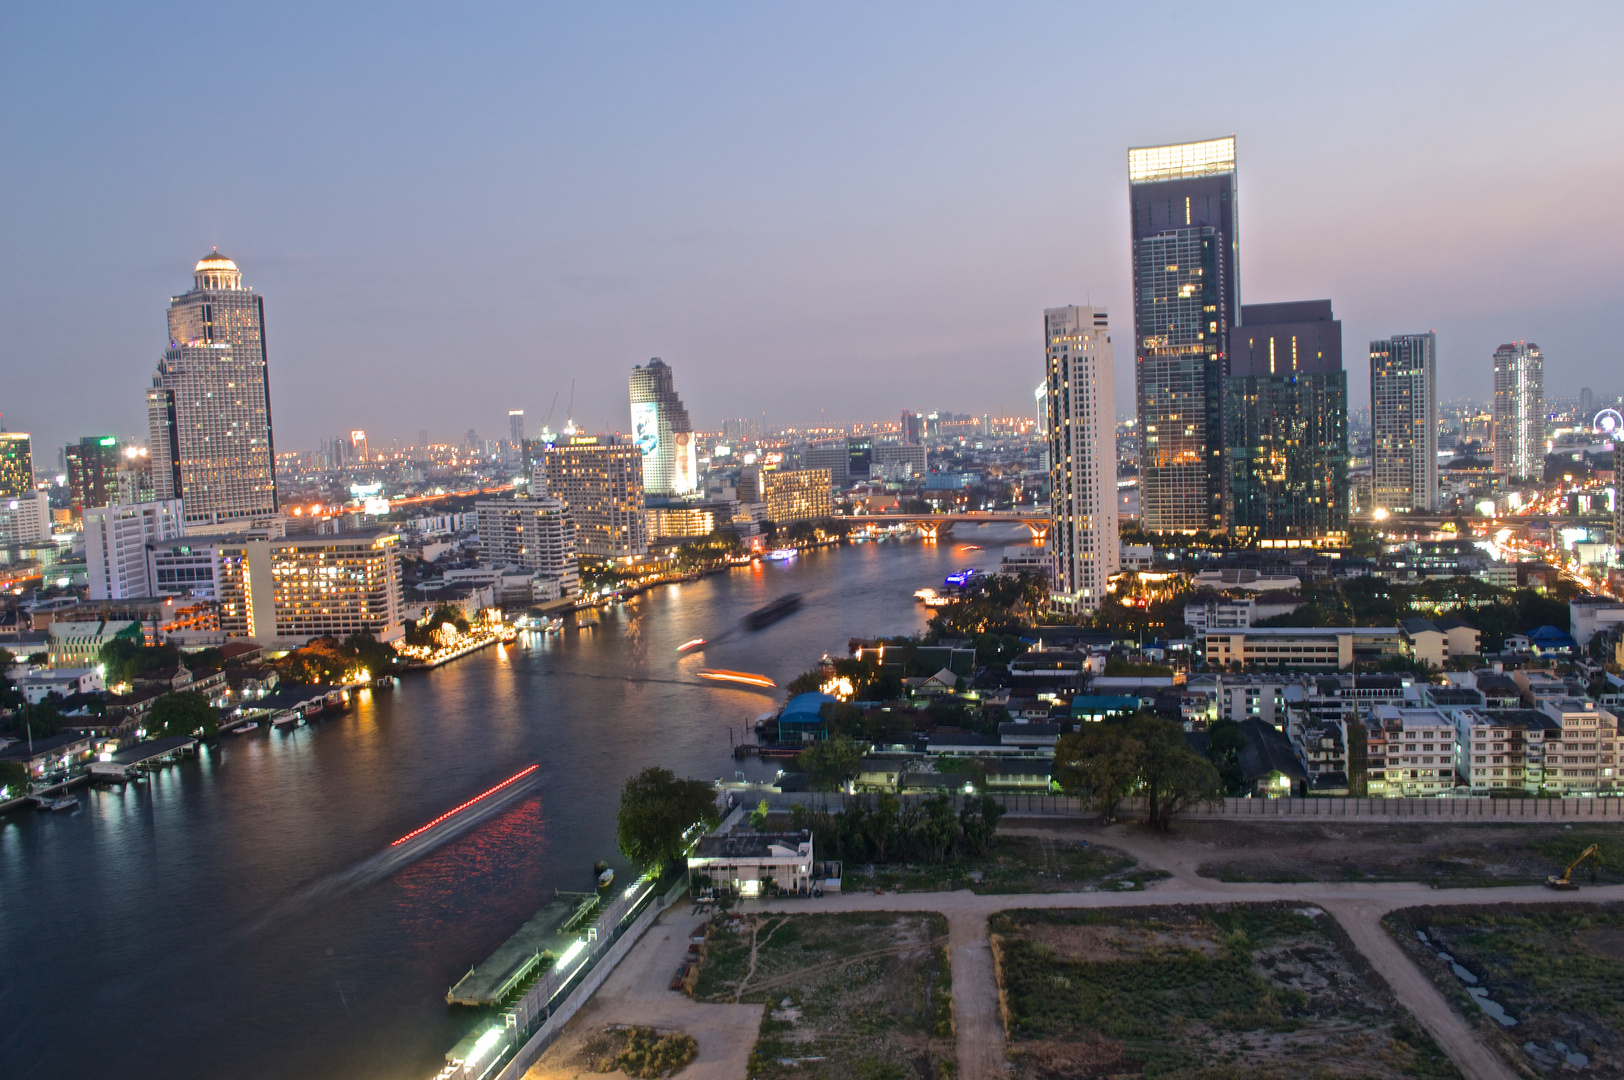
column 1421, row 750
column 1588, row 615
column 63, row 682
column 749, row 864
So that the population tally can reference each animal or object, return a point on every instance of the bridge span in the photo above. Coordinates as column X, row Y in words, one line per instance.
column 939, row 525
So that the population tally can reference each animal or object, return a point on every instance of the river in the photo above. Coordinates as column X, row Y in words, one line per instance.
column 244, row 915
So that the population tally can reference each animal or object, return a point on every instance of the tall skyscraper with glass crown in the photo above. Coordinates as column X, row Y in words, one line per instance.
column 209, row 409
column 1185, row 300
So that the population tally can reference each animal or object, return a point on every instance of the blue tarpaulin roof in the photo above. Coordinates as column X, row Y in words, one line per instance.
column 1089, row 706
column 804, row 708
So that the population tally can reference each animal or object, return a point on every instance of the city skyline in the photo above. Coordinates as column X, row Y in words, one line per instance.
column 382, row 268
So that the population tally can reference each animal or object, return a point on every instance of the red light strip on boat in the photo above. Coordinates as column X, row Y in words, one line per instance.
column 464, row 806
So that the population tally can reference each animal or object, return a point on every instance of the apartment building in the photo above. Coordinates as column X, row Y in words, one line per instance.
column 1420, row 758
column 1503, row 750
column 1581, row 756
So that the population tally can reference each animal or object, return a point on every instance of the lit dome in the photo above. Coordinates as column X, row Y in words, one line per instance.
column 215, row 271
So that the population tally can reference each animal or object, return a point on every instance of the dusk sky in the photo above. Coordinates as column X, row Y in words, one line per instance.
column 810, row 211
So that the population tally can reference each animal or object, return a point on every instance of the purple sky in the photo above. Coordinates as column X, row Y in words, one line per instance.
column 808, row 211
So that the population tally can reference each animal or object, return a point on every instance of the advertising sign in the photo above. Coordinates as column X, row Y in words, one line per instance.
column 685, row 469
column 646, row 427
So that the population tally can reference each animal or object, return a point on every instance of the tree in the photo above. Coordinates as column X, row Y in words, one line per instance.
column 1100, row 763
column 186, row 712
column 1174, row 776
column 44, row 718
column 978, row 821
column 656, row 811
column 1224, row 744
column 13, row 779
column 830, row 763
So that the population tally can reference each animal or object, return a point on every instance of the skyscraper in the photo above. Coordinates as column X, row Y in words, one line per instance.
column 209, row 409
column 1519, row 410
column 913, row 428
column 516, row 426
column 1286, row 426
column 533, row 533
column 661, row 430
column 600, row 479
column 116, row 539
column 93, row 465
column 1185, row 297
column 1081, row 398
column 16, row 464
column 1404, row 423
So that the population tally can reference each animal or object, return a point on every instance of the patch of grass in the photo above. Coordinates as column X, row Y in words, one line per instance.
column 1557, row 968
column 1013, row 864
column 1244, row 990
column 863, row 994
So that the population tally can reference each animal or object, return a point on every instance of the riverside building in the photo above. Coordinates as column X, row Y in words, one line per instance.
column 1286, row 426
column 1404, row 423
column 1186, row 295
column 209, row 409
column 662, row 432
column 1081, row 404
column 1519, row 410
column 534, row 534
column 788, row 495
column 291, row 589
column 600, row 480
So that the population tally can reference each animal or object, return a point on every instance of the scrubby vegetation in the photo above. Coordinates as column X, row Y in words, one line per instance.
column 648, row 1055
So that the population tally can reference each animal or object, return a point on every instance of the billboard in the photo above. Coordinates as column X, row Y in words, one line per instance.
column 685, row 466
column 646, row 427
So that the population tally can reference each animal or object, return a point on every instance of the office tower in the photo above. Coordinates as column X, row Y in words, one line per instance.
column 16, row 464
column 787, row 495
column 1519, row 410
column 116, row 539
column 1587, row 404
column 1185, row 297
column 25, row 519
column 1618, row 498
column 294, row 588
column 1404, row 423
column 534, row 534
column 362, row 450
column 660, row 429
column 209, row 409
column 600, row 479
column 1286, row 426
column 1040, row 398
column 92, row 466
column 912, row 455
column 134, row 479
column 833, row 457
column 913, row 427
column 1081, row 398
column 739, row 431
column 859, row 458
column 516, row 426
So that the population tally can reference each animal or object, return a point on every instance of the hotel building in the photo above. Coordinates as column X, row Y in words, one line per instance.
column 601, row 481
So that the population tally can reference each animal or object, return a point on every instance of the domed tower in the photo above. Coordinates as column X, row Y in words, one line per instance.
column 209, row 409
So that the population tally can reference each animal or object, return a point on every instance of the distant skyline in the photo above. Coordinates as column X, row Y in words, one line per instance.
column 829, row 214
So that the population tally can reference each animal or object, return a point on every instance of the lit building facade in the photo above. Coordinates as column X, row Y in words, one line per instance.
column 1081, row 406
column 93, row 465
column 1519, row 410
column 535, row 534
column 209, row 409
column 1186, row 291
column 788, row 495
column 600, row 479
column 116, row 539
column 298, row 587
column 16, row 464
column 1286, row 426
column 25, row 519
column 1404, row 423
column 662, row 431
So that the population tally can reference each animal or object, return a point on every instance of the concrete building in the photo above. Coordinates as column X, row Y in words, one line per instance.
column 1186, row 299
column 16, row 464
column 1436, row 643
column 92, row 465
column 294, row 588
column 1313, row 647
column 209, row 409
column 1589, row 615
column 1421, row 750
column 79, row 644
column 601, row 481
column 1082, row 455
column 787, row 495
column 1221, row 613
column 25, row 519
column 662, row 432
column 910, row 455
column 116, row 539
column 1582, row 757
column 1286, row 427
column 832, row 457
column 1404, row 422
column 63, row 682
column 535, row 534
column 1502, row 750
column 751, row 864
column 1519, row 410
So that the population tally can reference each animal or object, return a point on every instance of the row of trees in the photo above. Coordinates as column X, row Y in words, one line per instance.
column 887, row 828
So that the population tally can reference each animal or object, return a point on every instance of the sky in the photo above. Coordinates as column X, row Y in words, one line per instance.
column 814, row 213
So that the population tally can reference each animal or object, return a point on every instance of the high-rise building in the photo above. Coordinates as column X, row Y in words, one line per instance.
column 16, row 464
column 787, row 495
column 358, row 443
column 516, row 426
column 1587, row 404
column 209, row 409
column 134, row 479
column 295, row 588
column 1404, row 423
column 600, row 479
column 1186, row 291
column 739, row 431
column 93, row 465
column 534, row 534
column 25, row 519
column 1519, row 410
column 833, row 457
column 913, row 427
column 661, row 430
column 1081, row 394
column 116, row 539
column 1286, row 426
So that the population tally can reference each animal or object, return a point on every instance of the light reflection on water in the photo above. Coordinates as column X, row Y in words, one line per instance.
column 238, row 914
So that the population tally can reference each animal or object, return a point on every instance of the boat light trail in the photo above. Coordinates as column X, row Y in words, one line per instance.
column 738, row 677
column 686, row 645
column 466, row 805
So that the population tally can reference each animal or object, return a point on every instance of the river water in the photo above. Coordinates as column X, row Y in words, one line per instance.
column 244, row 914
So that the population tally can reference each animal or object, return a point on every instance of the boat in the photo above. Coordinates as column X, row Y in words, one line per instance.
column 745, row 677
column 694, row 644
column 606, row 874
column 781, row 554
column 554, row 625
column 771, row 613
column 61, row 802
column 583, row 624
column 246, row 728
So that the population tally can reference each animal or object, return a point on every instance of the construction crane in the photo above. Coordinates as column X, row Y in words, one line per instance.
column 1565, row 882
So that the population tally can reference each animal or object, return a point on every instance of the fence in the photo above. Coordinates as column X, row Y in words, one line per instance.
column 1598, row 808
column 523, row 1029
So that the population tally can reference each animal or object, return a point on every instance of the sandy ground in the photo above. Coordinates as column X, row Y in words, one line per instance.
column 637, row 993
